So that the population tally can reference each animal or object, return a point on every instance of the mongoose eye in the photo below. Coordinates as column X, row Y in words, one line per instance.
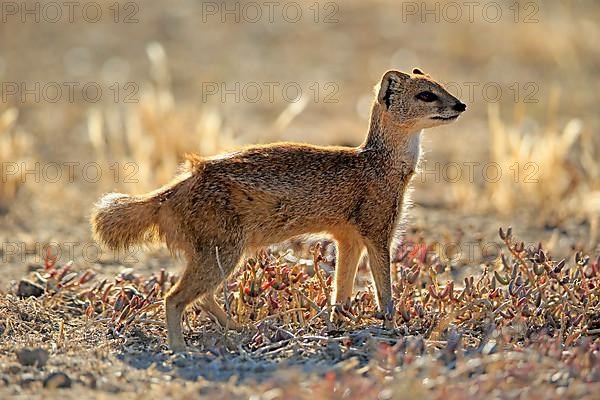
column 427, row 96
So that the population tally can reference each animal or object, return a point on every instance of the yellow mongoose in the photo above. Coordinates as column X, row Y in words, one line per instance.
column 266, row 194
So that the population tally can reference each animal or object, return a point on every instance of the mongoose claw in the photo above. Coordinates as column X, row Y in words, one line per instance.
column 178, row 348
column 236, row 326
column 388, row 324
column 390, row 310
column 335, row 316
column 339, row 313
column 388, row 315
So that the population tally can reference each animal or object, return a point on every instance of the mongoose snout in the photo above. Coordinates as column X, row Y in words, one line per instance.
column 460, row 107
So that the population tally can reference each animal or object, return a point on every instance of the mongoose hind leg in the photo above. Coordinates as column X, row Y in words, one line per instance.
column 201, row 276
column 180, row 295
column 210, row 305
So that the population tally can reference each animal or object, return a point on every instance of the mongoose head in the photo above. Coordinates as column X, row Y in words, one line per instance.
column 415, row 101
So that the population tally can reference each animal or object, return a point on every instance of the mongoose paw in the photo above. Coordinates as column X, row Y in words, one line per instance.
column 236, row 326
column 340, row 314
column 388, row 324
column 335, row 318
column 178, row 348
column 388, row 316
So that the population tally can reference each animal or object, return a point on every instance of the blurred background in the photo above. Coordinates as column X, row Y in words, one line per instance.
column 108, row 96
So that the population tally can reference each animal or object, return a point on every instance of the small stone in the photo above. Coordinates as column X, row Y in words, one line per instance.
column 28, row 289
column 13, row 369
column 490, row 347
column 27, row 380
column 180, row 360
column 128, row 274
column 57, row 380
column 290, row 258
column 89, row 380
column 29, row 357
column 109, row 387
column 34, row 267
column 326, row 267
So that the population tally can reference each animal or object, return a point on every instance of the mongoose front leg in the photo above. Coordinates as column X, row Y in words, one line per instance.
column 349, row 249
column 379, row 261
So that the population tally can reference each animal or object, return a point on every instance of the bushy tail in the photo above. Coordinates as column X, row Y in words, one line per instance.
column 120, row 221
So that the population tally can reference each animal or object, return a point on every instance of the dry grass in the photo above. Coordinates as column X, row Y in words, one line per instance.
column 148, row 139
column 543, row 169
column 15, row 150
column 528, row 325
column 549, row 169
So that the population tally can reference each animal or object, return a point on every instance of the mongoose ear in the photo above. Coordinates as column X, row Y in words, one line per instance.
column 391, row 81
column 417, row 71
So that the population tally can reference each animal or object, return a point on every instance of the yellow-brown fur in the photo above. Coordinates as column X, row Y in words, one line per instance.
column 241, row 201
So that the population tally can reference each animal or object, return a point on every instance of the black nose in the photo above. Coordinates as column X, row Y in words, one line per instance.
column 460, row 107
